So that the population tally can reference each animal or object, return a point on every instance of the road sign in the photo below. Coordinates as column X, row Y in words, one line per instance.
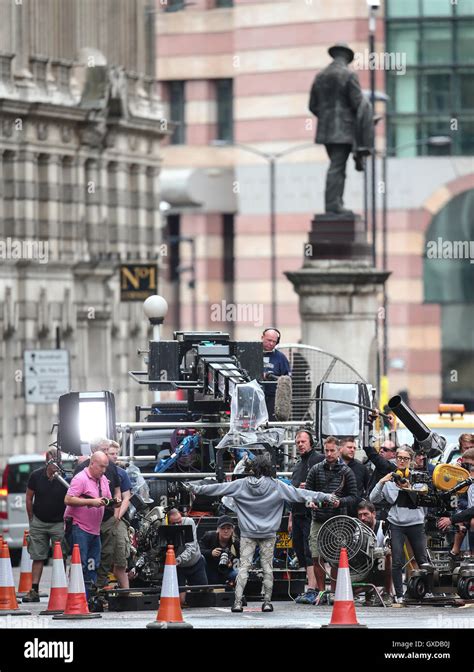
column 46, row 375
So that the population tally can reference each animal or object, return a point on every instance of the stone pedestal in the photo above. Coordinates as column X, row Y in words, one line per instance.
column 340, row 293
column 338, row 237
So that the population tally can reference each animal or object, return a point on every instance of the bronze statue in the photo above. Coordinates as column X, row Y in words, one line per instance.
column 345, row 122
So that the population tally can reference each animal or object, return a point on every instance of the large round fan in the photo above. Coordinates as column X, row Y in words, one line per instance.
column 355, row 537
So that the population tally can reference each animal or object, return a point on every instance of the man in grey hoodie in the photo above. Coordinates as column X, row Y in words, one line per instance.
column 258, row 501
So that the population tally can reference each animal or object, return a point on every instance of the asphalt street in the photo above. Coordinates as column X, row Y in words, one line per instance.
column 286, row 615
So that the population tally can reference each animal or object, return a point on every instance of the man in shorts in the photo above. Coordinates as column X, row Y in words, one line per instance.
column 45, row 508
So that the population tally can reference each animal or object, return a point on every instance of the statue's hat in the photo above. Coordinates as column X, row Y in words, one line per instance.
column 341, row 45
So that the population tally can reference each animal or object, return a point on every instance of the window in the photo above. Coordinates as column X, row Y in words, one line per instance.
column 173, row 5
column 448, row 276
column 436, row 36
column 177, row 112
column 225, row 109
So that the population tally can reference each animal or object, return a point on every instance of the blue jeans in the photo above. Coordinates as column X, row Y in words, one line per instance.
column 89, row 547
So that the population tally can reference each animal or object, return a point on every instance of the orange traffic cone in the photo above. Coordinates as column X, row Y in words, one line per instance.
column 58, row 594
column 26, row 577
column 8, row 603
column 169, row 612
column 76, row 603
column 344, row 613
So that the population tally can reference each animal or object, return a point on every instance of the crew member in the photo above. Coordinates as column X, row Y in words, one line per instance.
column 190, row 564
column 405, row 522
column 381, row 573
column 258, row 500
column 462, row 515
column 334, row 477
column 299, row 520
column 275, row 364
column 85, row 506
column 116, row 544
column 214, row 544
column 348, row 449
column 45, row 508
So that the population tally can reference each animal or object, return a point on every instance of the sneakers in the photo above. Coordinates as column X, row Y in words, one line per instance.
column 398, row 602
column 374, row 600
column 324, row 597
column 237, row 607
column 454, row 559
column 267, row 606
column 307, row 598
column 31, row 596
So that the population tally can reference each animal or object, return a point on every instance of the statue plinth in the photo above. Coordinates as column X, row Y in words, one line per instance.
column 335, row 236
column 340, row 292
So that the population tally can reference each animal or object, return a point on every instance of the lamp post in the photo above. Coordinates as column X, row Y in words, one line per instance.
column 155, row 308
column 189, row 269
column 373, row 7
column 432, row 141
column 271, row 158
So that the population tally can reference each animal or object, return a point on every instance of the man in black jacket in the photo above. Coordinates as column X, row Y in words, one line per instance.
column 214, row 544
column 330, row 476
column 299, row 521
column 362, row 474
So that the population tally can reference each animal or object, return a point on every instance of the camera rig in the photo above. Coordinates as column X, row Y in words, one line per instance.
column 208, row 365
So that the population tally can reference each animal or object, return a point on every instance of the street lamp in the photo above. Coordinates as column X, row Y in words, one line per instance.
column 384, row 98
column 155, row 308
column 373, row 5
column 432, row 141
column 271, row 158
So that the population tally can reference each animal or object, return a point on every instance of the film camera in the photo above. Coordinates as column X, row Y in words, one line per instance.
column 208, row 365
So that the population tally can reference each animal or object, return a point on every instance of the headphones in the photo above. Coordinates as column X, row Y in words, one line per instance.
column 272, row 329
column 308, row 432
column 404, row 473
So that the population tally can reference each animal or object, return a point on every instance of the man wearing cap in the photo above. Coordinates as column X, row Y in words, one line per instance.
column 216, row 547
column 337, row 100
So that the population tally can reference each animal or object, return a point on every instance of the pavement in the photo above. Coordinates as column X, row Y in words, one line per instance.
column 286, row 614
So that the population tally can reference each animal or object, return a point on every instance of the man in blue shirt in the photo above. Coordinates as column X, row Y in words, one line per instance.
column 275, row 364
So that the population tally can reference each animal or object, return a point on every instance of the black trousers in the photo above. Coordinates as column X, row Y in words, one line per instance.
column 301, row 528
column 336, row 176
column 416, row 536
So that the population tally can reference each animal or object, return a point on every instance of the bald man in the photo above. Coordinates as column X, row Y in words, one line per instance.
column 85, row 506
column 275, row 364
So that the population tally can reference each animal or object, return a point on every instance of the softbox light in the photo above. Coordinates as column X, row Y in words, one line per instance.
column 84, row 416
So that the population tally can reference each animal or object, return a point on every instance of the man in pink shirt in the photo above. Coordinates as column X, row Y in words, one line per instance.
column 85, row 505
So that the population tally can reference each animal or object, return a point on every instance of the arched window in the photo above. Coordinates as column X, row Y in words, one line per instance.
column 449, row 280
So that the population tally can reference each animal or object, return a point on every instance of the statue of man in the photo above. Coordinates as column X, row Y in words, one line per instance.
column 345, row 121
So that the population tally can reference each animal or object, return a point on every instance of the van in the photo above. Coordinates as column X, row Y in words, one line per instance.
column 13, row 517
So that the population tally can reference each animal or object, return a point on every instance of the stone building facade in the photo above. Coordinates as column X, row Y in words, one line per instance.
column 80, row 133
